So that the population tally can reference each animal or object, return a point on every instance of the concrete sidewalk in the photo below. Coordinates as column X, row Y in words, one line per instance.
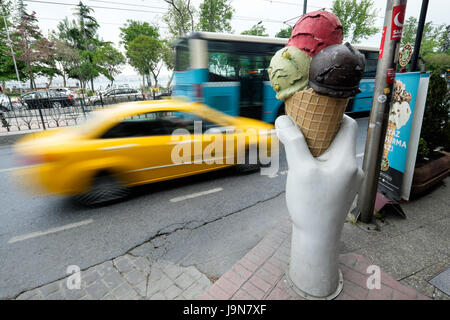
column 410, row 252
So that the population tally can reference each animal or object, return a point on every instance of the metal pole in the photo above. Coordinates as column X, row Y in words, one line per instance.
column 305, row 5
column 381, row 104
column 418, row 41
column 12, row 51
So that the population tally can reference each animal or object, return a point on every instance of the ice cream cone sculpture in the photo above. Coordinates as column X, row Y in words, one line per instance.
column 398, row 117
column 315, row 58
column 318, row 116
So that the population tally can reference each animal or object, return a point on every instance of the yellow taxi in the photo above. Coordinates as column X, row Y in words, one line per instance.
column 136, row 143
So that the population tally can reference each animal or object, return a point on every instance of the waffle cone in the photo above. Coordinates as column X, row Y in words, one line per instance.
column 318, row 116
column 389, row 137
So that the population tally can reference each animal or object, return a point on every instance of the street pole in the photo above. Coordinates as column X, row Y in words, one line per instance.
column 12, row 51
column 418, row 41
column 305, row 5
column 384, row 82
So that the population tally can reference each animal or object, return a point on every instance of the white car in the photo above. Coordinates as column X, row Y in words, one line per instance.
column 5, row 104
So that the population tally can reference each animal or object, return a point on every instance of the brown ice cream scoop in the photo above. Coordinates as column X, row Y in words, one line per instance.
column 336, row 71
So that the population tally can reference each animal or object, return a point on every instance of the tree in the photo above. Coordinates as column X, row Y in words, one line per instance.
column 284, row 33
column 87, row 41
column 144, row 55
column 133, row 29
column 66, row 58
column 7, row 70
column 179, row 17
column 256, row 30
column 357, row 18
column 110, row 60
column 432, row 38
column 168, row 57
column 215, row 16
column 34, row 50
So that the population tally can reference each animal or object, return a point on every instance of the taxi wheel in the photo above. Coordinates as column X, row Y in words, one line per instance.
column 106, row 188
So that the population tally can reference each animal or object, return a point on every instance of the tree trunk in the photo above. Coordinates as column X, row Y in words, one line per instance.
column 92, row 84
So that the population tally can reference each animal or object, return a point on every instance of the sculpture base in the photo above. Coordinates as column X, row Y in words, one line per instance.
column 307, row 296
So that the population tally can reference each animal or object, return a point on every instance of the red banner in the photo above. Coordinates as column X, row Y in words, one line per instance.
column 398, row 17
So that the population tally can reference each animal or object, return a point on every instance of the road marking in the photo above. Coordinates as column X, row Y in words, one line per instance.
column 360, row 155
column 15, row 168
column 195, row 195
column 50, row 231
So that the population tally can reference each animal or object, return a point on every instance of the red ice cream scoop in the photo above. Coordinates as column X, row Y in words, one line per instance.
column 315, row 31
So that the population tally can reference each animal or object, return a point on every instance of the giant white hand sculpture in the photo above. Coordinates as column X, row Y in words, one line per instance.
column 319, row 194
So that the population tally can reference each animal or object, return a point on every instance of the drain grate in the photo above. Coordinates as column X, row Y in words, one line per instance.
column 442, row 281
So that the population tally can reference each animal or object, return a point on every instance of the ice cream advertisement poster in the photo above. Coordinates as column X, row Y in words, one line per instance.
column 398, row 133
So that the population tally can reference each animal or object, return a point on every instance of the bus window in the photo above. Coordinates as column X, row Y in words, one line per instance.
column 371, row 64
column 182, row 56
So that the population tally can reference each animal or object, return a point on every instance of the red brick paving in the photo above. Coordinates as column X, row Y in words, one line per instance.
column 260, row 275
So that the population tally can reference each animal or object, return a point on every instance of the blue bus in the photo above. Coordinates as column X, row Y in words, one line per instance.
column 229, row 73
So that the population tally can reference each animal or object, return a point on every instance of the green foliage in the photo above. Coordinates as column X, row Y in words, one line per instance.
column 433, row 39
column 179, row 17
column 133, row 29
column 144, row 53
column 284, row 33
column 438, row 62
column 436, row 117
column 109, row 60
column 7, row 71
column 256, row 30
column 215, row 16
column 357, row 17
column 423, row 150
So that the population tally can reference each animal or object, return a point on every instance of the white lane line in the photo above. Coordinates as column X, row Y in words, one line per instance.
column 15, row 168
column 360, row 155
column 53, row 230
column 195, row 195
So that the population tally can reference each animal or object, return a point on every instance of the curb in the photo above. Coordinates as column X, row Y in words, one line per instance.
column 11, row 138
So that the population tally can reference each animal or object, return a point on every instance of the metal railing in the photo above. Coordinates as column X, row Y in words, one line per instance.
column 54, row 112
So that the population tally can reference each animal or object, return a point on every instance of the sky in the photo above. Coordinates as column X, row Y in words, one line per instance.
column 272, row 13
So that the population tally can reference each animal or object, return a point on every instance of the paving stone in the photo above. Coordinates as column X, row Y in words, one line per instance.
column 89, row 277
column 49, row 289
column 123, row 264
column 194, row 291
column 173, row 271
column 125, row 292
column 158, row 296
column 193, row 272
column 74, row 294
column 141, row 288
column 184, row 281
column 108, row 297
column 104, row 268
column 113, row 279
column 135, row 276
column 172, row 292
column 159, row 286
column 28, row 295
column 57, row 295
column 142, row 264
column 97, row 290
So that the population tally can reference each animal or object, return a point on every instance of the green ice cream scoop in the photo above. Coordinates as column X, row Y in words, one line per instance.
column 288, row 71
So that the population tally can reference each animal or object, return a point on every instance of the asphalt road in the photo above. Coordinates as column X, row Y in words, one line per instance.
column 209, row 221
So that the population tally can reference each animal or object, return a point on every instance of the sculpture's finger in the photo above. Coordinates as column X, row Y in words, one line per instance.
column 294, row 142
